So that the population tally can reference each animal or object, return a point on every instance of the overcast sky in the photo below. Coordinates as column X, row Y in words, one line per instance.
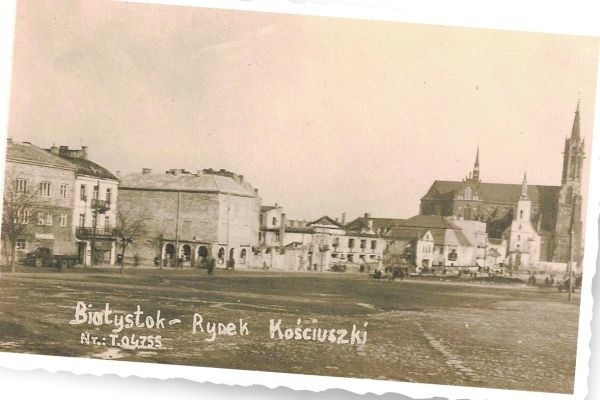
column 323, row 115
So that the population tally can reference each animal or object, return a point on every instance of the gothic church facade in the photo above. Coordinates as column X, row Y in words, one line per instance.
column 555, row 211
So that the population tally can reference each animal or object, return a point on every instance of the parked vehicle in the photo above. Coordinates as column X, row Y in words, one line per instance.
column 43, row 257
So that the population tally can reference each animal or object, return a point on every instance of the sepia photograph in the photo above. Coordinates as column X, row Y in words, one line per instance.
column 298, row 194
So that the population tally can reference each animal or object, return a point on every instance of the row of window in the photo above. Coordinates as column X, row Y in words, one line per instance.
column 95, row 193
column 336, row 242
column 94, row 221
column 47, row 218
column 43, row 218
column 45, row 190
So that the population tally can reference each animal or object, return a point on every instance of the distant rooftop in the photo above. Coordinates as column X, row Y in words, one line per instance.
column 206, row 181
column 29, row 153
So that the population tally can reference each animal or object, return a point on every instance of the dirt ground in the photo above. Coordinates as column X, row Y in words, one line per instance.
column 509, row 337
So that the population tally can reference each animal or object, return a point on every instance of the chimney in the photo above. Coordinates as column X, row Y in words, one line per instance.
column 241, row 177
column 84, row 152
column 146, row 171
column 367, row 215
column 54, row 149
column 343, row 218
column 256, row 192
column 282, row 230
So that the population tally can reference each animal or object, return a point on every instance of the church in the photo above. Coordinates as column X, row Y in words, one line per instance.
column 550, row 215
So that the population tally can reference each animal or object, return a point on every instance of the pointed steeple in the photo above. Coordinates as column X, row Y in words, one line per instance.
column 476, row 166
column 523, row 195
column 575, row 131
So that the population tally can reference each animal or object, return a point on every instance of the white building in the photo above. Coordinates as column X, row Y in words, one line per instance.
column 94, row 207
column 523, row 239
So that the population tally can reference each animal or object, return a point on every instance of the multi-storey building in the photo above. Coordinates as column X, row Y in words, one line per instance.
column 94, row 207
column 38, row 197
column 192, row 216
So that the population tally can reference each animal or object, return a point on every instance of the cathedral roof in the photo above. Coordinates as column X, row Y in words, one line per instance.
column 507, row 193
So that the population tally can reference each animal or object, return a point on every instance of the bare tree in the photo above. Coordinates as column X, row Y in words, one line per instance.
column 18, row 203
column 131, row 226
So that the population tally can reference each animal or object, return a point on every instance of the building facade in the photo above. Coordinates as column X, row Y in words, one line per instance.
column 38, row 200
column 192, row 216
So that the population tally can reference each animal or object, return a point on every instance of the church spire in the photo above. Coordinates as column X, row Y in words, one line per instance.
column 575, row 134
column 476, row 166
column 524, row 187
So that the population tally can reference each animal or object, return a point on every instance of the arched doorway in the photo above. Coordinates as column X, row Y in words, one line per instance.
column 201, row 256
column 221, row 255
column 243, row 256
column 169, row 254
column 185, row 254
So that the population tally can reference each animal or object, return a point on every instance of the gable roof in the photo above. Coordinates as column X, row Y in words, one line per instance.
column 325, row 220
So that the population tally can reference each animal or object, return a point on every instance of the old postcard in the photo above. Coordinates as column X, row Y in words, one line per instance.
column 235, row 196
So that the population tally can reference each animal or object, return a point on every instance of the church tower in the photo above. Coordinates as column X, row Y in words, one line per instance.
column 569, row 198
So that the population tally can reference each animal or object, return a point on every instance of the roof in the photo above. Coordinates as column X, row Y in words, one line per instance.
column 429, row 221
column 378, row 223
column 186, row 182
column 493, row 192
column 88, row 168
column 268, row 208
column 29, row 153
column 325, row 220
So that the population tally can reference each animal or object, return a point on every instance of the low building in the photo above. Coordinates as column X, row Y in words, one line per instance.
column 451, row 247
column 192, row 216
column 38, row 200
column 94, row 207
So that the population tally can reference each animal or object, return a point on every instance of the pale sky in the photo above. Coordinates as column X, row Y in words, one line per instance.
column 323, row 115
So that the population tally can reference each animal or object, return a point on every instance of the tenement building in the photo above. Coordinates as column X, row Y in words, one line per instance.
column 554, row 211
column 38, row 201
column 94, row 207
column 191, row 216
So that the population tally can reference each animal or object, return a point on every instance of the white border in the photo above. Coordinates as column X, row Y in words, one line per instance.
column 579, row 17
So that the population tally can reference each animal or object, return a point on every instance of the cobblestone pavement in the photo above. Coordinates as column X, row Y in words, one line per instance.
column 472, row 335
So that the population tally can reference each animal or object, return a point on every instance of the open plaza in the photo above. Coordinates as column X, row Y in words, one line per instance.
column 415, row 330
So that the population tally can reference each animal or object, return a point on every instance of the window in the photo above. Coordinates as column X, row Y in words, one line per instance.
column 351, row 243
column 63, row 219
column 23, row 216
column 274, row 221
column 108, row 195
column 363, row 243
column 83, row 193
column 373, row 244
column 107, row 222
column 49, row 218
column 21, row 244
column 21, row 186
column 276, row 239
column 82, row 220
column 63, row 191
column 45, row 189
column 96, row 190
column 41, row 218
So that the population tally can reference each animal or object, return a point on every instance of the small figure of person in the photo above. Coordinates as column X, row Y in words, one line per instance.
column 548, row 282
column 156, row 261
column 211, row 266
column 231, row 264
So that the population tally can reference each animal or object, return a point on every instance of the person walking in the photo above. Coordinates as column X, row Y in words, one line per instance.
column 211, row 266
